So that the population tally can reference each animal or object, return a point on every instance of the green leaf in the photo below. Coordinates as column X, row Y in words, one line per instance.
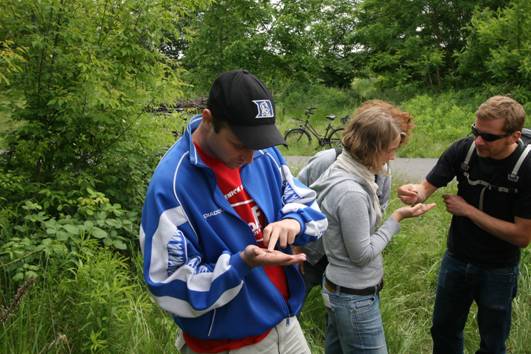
column 119, row 245
column 114, row 223
column 18, row 277
column 71, row 229
column 31, row 274
column 99, row 233
column 62, row 236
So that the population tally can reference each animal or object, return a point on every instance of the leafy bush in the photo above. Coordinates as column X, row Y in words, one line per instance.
column 498, row 46
column 90, row 69
column 58, row 226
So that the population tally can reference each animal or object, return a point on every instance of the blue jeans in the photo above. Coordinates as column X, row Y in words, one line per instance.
column 459, row 284
column 354, row 324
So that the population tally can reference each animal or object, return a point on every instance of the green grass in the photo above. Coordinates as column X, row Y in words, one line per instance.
column 439, row 120
column 412, row 262
column 99, row 305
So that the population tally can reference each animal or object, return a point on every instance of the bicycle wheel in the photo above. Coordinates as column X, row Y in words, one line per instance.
column 334, row 139
column 297, row 137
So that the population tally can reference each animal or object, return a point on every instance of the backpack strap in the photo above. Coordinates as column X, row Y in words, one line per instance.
column 466, row 164
column 526, row 136
column 485, row 185
column 513, row 176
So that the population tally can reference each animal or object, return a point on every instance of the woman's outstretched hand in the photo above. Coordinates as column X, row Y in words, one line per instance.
column 412, row 211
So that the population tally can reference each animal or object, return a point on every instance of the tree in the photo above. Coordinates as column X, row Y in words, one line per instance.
column 413, row 41
column 335, row 45
column 229, row 34
column 499, row 46
column 90, row 68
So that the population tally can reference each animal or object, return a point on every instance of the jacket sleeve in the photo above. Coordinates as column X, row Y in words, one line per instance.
column 175, row 270
column 361, row 244
column 299, row 203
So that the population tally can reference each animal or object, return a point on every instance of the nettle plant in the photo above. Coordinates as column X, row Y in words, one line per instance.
column 92, row 221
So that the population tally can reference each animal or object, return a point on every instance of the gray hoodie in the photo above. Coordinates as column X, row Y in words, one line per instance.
column 353, row 242
column 315, row 167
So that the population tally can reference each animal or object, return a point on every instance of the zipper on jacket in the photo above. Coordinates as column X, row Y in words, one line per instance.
column 212, row 323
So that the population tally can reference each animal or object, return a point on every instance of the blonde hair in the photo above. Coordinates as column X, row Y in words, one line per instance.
column 368, row 133
column 503, row 107
column 404, row 119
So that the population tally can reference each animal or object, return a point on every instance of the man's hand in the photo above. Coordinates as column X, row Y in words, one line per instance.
column 408, row 194
column 415, row 193
column 283, row 232
column 456, row 205
column 257, row 256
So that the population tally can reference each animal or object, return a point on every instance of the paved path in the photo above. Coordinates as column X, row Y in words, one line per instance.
column 404, row 169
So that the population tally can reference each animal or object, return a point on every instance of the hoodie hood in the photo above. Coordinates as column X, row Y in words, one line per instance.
column 333, row 177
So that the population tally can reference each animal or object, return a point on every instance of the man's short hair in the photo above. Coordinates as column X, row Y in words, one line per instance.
column 368, row 134
column 218, row 123
column 506, row 108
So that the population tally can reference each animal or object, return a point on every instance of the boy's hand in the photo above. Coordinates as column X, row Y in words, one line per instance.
column 256, row 256
column 283, row 232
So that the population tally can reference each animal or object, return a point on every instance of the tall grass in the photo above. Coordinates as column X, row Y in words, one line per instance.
column 98, row 306
column 412, row 262
column 439, row 119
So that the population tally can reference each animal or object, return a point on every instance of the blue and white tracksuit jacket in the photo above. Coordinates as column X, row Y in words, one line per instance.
column 191, row 239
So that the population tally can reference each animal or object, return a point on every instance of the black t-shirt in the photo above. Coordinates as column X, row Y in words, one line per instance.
column 466, row 241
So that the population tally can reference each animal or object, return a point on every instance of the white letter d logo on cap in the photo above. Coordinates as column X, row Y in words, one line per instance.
column 265, row 109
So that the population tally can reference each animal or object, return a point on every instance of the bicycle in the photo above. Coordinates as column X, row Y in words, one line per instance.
column 303, row 134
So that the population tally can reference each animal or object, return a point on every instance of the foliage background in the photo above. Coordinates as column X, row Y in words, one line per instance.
column 88, row 98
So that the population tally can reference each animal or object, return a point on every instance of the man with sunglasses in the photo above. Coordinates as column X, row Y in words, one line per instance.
column 490, row 224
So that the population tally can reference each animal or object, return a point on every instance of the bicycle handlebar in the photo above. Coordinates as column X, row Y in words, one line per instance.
column 309, row 111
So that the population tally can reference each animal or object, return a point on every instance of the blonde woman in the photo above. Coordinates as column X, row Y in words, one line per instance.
column 313, row 268
column 356, row 236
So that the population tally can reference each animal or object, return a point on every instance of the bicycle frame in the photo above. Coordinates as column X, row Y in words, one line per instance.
column 329, row 137
column 321, row 138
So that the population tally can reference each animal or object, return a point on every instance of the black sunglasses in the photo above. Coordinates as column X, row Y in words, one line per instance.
column 486, row 136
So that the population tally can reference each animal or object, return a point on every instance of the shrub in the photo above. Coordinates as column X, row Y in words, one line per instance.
column 53, row 225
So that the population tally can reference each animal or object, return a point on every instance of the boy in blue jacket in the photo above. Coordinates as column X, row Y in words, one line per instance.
column 221, row 213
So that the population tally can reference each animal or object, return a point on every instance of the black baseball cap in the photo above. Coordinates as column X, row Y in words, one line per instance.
column 240, row 99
